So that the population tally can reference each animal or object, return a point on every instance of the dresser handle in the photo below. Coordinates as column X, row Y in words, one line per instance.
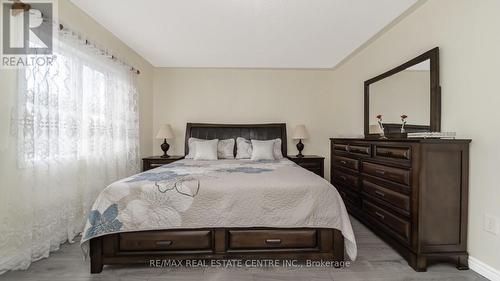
column 380, row 193
column 343, row 162
column 380, row 215
column 347, row 148
column 343, row 178
column 380, row 172
column 273, row 241
column 164, row 243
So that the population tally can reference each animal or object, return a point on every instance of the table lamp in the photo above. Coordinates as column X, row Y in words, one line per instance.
column 165, row 133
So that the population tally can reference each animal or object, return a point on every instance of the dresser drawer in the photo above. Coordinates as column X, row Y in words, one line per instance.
column 344, row 178
column 395, row 198
column 187, row 240
column 357, row 149
column 272, row 239
column 390, row 173
column 346, row 162
column 397, row 224
column 360, row 149
column 340, row 147
column 350, row 197
column 389, row 152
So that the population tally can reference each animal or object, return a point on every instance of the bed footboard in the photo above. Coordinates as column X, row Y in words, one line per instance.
column 218, row 243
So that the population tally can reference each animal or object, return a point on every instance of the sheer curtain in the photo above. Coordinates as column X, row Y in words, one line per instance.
column 76, row 127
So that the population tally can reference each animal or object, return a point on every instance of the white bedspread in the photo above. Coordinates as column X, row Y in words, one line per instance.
column 222, row 193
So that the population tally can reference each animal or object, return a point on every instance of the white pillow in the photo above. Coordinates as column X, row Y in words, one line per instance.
column 192, row 147
column 225, row 149
column 206, row 150
column 243, row 148
column 263, row 150
column 277, row 149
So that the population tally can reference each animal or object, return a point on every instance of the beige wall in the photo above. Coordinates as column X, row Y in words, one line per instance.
column 244, row 96
column 406, row 92
column 467, row 32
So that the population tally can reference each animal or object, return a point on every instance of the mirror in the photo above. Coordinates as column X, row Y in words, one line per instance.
column 411, row 89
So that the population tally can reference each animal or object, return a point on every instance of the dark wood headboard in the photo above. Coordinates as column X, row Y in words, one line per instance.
column 228, row 131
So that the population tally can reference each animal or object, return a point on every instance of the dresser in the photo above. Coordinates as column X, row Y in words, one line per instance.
column 313, row 163
column 411, row 193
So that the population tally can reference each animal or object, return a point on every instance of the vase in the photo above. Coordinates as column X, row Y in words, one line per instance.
column 382, row 130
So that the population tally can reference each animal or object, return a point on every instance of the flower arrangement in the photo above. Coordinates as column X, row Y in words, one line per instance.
column 379, row 120
column 403, row 123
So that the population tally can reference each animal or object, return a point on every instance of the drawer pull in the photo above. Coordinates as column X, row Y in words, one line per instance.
column 273, row 241
column 380, row 193
column 380, row 215
column 380, row 172
column 165, row 243
column 347, row 148
column 343, row 178
column 343, row 162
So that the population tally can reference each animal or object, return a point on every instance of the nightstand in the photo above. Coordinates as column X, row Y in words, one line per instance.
column 152, row 162
column 313, row 163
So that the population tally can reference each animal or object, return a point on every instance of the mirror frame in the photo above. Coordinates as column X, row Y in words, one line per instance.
column 435, row 89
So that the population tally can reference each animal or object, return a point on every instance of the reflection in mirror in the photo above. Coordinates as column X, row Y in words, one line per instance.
column 406, row 92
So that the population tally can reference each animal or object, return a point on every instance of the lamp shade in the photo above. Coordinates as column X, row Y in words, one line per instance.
column 300, row 132
column 165, row 132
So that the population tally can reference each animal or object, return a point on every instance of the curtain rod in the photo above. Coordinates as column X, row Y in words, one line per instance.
column 113, row 57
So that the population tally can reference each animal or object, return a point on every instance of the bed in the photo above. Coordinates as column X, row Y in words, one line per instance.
column 224, row 209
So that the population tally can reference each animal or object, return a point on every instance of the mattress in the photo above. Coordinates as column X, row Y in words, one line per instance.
column 224, row 193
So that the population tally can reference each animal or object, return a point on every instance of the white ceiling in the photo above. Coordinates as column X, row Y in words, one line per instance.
column 244, row 33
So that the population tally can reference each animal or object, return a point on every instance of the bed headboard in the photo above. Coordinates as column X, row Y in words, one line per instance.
column 227, row 131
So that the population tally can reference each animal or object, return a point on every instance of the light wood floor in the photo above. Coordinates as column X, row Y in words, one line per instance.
column 376, row 261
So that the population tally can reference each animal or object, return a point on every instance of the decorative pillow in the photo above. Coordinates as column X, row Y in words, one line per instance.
column 206, row 150
column 277, row 149
column 263, row 150
column 225, row 149
column 192, row 147
column 243, row 148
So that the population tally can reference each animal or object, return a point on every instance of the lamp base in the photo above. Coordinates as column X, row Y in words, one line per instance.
column 300, row 147
column 165, row 146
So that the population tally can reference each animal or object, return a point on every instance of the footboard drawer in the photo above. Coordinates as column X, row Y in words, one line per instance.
column 272, row 239
column 166, row 240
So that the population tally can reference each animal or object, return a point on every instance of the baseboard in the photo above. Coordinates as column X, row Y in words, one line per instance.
column 484, row 269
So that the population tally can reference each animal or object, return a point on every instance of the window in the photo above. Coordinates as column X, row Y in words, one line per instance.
column 84, row 106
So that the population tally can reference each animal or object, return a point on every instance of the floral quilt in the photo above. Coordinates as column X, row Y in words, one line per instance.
column 222, row 193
